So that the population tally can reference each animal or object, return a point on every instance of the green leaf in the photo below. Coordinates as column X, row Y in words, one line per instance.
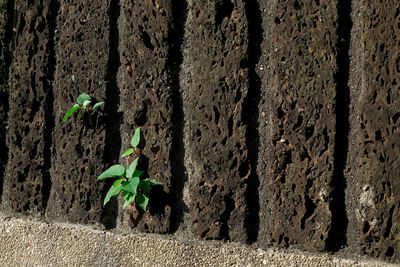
column 82, row 98
column 131, row 186
column 153, row 182
column 86, row 103
column 113, row 171
column 144, row 184
column 125, row 195
column 130, row 200
column 97, row 105
column 136, row 137
column 69, row 112
column 142, row 200
column 131, row 169
column 128, row 197
column 137, row 173
column 127, row 152
column 114, row 190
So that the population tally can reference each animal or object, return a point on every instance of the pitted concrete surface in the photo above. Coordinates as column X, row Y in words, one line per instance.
column 29, row 242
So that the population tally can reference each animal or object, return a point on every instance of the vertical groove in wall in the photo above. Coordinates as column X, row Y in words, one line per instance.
column 113, row 117
column 177, row 153
column 49, row 101
column 8, row 37
column 337, row 234
column 4, row 95
column 251, row 115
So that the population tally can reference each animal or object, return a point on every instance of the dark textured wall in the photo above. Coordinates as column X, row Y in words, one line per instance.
column 27, row 178
column 82, row 46
column 6, row 17
column 217, row 48
column 303, row 122
column 274, row 122
column 379, row 137
column 146, row 101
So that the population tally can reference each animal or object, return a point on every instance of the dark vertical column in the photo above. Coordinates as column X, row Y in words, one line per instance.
column 337, row 234
column 303, row 66
column 6, row 22
column 27, row 173
column 113, row 120
column 217, row 89
column 251, row 116
column 82, row 53
column 379, row 136
column 146, row 99
column 177, row 153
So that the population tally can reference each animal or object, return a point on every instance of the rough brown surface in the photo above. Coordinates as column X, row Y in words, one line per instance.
column 27, row 173
column 146, row 100
column 6, row 16
column 217, row 50
column 82, row 45
column 379, row 138
column 303, row 65
column 284, row 113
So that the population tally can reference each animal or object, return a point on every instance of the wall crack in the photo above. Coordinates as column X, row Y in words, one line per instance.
column 337, row 234
column 49, row 100
column 113, row 117
column 4, row 94
column 251, row 115
column 177, row 153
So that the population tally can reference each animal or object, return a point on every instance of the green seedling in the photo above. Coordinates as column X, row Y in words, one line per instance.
column 134, row 143
column 82, row 103
column 129, row 183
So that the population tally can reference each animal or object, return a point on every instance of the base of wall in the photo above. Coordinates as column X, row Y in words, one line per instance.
column 29, row 242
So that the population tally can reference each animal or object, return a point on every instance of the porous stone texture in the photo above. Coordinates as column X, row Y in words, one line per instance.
column 146, row 102
column 3, row 45
column 82, row 45
column 24, row 242
column 217, row 51
column 298, row 100
column 266, row 9
column 303, row 67
column 27, row 172
column 355, row 86
column 379, row 137
column 5, row 54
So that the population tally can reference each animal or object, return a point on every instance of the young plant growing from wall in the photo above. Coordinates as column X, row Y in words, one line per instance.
column 82, row 103
column 134, row 143
column 129, row 183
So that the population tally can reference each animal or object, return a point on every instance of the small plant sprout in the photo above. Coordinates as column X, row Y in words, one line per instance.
column 134, row 143
column 129, row 183
column 82, row 103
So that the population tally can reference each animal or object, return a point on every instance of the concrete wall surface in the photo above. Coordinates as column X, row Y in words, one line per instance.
column 270, row 124
column 27, row 242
